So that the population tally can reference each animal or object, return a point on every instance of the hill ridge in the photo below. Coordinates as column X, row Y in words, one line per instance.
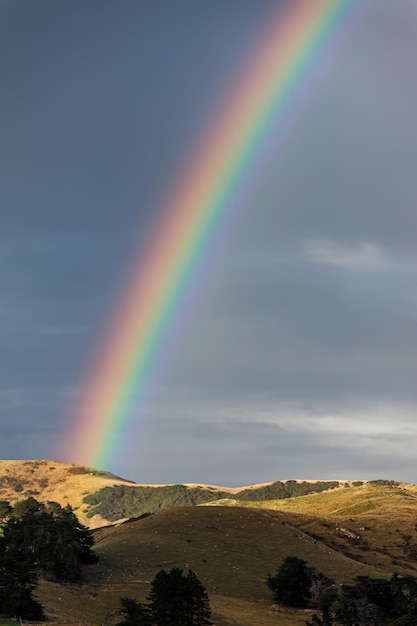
column 357, row 528
column 99, row 497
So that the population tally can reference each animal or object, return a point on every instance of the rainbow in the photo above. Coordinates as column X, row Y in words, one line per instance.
column 299, row 37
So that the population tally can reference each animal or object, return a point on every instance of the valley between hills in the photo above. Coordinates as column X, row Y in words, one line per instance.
column 231, row 538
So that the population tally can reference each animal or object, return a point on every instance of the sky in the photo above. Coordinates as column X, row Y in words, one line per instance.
column 298, row 358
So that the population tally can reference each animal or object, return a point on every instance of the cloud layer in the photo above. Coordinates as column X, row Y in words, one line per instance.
column 298, row 357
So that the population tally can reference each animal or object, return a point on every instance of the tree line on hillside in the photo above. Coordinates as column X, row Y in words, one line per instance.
column 367, row 601
column 123, row 501
column 38, row 540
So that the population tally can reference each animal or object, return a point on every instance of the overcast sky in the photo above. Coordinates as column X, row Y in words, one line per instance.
column 299, row 357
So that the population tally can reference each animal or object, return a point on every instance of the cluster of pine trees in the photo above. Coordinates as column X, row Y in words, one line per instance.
column 38, row 540
column 367, row 601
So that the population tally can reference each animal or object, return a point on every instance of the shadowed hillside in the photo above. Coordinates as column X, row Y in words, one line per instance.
column 230, row 549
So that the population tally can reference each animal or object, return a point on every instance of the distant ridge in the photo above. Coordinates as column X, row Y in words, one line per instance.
column 100, row 498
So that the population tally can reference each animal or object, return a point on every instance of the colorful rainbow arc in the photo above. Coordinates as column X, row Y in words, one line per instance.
column 197, row 207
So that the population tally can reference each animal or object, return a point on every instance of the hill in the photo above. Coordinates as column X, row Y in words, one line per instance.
column 343, row 528
column 55, row 481
column 232, row 550
column 100, row 498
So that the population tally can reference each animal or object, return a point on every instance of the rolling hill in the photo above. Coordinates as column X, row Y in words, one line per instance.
column 55, row 481
column 232, row 550
column 232, row 542
column 99, row 497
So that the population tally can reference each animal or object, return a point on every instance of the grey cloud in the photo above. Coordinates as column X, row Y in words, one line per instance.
column 301, row 328
column 351, row 175
column 308, row 308
column 248, row 452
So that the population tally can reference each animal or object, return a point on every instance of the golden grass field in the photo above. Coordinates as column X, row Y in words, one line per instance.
column 55, row 481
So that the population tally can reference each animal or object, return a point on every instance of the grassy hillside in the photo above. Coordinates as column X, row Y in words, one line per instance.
column 232, row 550
column 367, row 498
column 354, row 528
column 125, row 501
column 373, row 523
column 99, row 497
column 52, row 480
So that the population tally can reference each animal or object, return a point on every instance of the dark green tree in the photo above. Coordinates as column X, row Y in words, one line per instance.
column 178, row 600
column 18, row 580
column 291, row 585
column 376, row 599
column 353, row 608
column 134, row 613
column 51, row 538
column 198, row 604
column 38, row 540
column 404, row 595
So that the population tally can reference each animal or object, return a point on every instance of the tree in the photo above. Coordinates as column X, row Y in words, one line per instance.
column 38, row 540
column 322, row 591
column 51, row 538
column 404, row 595
column 18, row 580
column 134, row 613
column 354, row 608
column 291, row 585
column 377, row 599
column 178, row 600
column 369, row 601
column 198, row 604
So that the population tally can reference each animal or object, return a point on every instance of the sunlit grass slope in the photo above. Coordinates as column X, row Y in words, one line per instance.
column 369, row 498
column 65, row 483
column 375, row 524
